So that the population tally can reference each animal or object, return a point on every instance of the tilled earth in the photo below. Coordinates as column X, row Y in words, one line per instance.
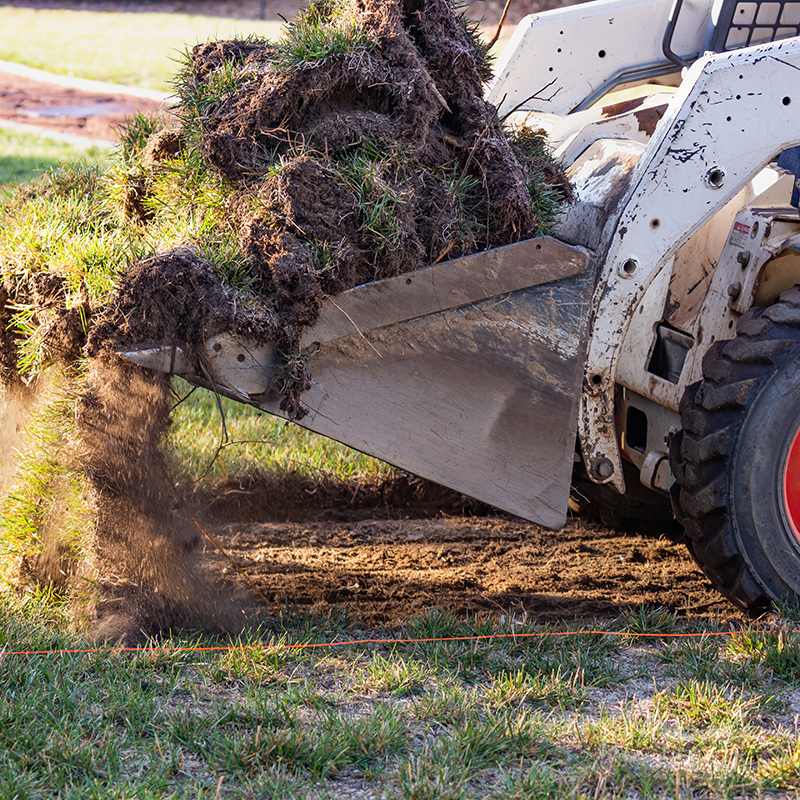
column 63, row 109
column 384, row 570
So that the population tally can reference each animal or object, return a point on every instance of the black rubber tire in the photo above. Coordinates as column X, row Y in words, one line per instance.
column 728, row 461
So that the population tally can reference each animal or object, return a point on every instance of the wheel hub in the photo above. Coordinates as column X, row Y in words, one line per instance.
column 791, row 484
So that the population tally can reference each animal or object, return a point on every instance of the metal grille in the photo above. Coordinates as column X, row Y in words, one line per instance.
column 741, row 24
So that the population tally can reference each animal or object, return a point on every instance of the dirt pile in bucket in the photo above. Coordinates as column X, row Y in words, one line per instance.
column 356, row 148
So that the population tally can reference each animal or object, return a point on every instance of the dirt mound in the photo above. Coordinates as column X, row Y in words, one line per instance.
column 179, row 299
column 409, row 85
column 358, row 147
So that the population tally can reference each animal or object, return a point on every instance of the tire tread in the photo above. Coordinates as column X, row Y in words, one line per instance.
column 712, row 413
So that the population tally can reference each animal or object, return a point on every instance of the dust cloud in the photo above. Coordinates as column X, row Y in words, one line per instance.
column 146, row 546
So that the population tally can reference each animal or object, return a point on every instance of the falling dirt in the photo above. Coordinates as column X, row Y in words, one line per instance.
column 145, row 559
column 16, row 403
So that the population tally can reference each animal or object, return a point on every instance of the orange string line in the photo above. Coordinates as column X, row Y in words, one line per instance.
column 345, row 643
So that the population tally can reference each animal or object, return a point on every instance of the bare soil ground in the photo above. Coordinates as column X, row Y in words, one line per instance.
column 384, row 570
column 52, row 107
column 387, row 562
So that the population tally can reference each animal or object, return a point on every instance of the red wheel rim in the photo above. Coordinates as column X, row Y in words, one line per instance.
column 791, row 484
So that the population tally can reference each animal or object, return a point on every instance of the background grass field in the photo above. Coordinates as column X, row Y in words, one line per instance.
column 129, row 49
column 255, row 442
column 24, row 155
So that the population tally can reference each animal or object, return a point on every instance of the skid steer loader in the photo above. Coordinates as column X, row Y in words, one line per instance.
column 655, row 343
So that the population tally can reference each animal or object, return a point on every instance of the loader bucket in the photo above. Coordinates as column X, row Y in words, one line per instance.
column 467, row 373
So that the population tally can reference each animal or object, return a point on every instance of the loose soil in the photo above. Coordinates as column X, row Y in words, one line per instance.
column 389, row 560
column 385, row 570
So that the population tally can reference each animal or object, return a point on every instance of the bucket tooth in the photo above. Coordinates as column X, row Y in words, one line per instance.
column 232, row 365
column 161, row 358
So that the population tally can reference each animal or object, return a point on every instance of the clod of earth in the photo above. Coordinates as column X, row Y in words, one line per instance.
column 358, row 147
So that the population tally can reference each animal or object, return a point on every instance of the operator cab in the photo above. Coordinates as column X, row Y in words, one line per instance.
column 613, row 81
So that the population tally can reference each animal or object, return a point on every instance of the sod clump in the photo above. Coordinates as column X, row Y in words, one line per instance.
column 356, row 148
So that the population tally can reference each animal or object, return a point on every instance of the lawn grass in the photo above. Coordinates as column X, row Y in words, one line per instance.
column 23, row 156
column 507, row 718
column 128, row 49
column 255, row 442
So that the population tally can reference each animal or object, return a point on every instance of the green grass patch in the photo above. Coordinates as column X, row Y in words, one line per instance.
column 394, row 675
column 540, row 688
column 316, row 36
column 255, row 441
column 24, row 156
column 777, row 653
column 265, row 720
column 704, row 704
column 129, row 49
